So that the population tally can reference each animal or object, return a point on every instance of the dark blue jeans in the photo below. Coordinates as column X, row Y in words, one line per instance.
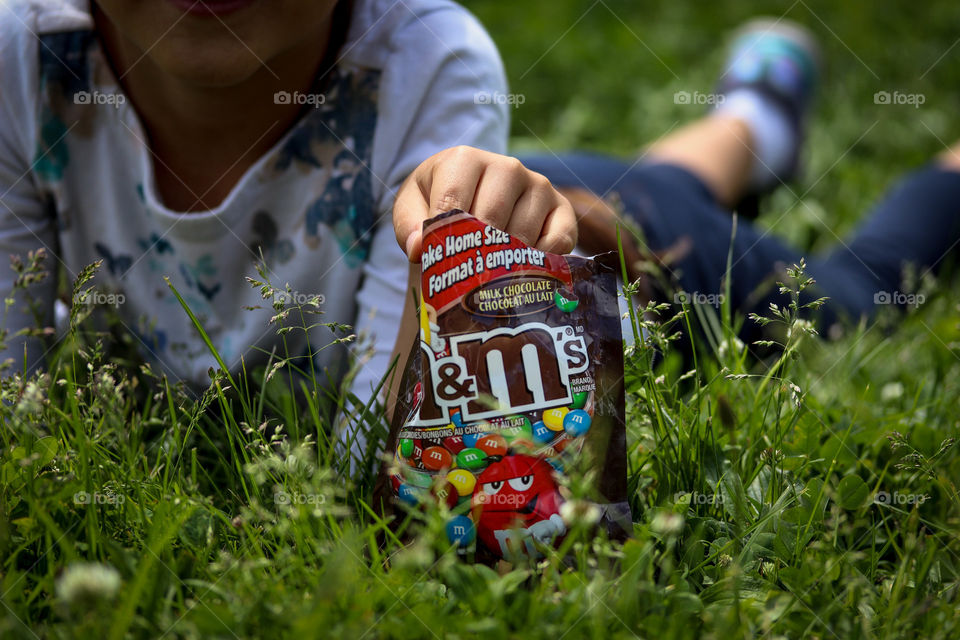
column 917, row 223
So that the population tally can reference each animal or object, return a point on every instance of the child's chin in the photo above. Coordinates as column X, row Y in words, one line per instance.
column 222, row 67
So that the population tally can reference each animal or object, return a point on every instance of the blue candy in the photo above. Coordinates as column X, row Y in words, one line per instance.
column 576, row 423
column 460, row 531
column 542, row 434
column 457, row 419
column 409, row 494
column 470, row 439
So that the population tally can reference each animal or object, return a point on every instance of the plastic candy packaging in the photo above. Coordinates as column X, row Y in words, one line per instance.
column 515, row 385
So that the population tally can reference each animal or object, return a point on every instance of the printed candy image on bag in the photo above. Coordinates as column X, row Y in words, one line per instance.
column 517, row 379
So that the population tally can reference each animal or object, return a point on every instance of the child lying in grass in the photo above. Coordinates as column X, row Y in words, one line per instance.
column 186, row 139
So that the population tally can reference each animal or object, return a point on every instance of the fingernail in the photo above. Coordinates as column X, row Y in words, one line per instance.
column 412, row 241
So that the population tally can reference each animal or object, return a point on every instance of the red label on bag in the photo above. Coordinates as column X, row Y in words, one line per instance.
column 463, row 254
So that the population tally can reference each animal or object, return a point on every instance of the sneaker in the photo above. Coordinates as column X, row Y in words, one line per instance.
column 781, row 60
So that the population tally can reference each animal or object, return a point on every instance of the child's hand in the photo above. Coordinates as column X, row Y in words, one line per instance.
column 497, row 189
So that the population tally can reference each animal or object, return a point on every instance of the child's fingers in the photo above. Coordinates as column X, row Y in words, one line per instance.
column 530, row 211
column 501, row 186
column 559, row 232
column 497, row 189
column 454, row 179
column 445, row 181
column 409, row 211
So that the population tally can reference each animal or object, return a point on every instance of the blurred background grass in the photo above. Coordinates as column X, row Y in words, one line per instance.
column 601, row 75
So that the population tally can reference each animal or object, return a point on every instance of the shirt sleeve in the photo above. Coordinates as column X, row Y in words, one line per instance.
column 435, row 94
column 25, row 222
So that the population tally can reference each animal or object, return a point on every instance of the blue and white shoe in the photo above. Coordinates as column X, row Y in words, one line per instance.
column 780, row 60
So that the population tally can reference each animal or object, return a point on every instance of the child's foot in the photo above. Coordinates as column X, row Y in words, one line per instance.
column 769, row 81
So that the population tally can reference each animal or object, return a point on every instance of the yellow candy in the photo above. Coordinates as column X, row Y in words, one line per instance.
column 462, row 480
column 424, row 322
column 553, row 418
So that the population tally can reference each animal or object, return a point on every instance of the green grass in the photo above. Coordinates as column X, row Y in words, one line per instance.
column 761, row 490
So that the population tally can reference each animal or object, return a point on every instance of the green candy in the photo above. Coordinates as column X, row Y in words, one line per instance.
column 418, row 478
column 580, row 399
column 471, row 458
column 406, row 447
column 562, row 303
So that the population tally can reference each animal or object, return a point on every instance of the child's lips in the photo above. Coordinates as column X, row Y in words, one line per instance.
column 211, row 7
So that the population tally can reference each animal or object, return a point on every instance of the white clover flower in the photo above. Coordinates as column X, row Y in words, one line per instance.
column 667, row 523
column 891, row 391
column 87, row 582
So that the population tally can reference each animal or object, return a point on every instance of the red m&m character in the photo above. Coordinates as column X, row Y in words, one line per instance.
column 516, row 502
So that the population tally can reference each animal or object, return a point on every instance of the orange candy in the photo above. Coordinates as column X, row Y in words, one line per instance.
column 436, row 458
column 493, row 445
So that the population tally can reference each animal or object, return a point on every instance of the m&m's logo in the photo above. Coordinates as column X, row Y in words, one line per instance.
column 508, row 370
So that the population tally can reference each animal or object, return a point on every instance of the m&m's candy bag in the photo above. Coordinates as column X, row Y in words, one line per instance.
column 516, row 380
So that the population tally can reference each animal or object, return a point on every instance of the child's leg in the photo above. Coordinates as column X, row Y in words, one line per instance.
column 717, row 149
column 678, row 216
column 751, row 141
column 677, row 197
column 950, row 159
column 680, row 193
column 917, row 226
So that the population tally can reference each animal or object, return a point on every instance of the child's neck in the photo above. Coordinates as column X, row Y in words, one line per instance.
column 203, row 139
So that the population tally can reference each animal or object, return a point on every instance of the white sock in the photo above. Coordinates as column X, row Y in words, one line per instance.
column 774, row 138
